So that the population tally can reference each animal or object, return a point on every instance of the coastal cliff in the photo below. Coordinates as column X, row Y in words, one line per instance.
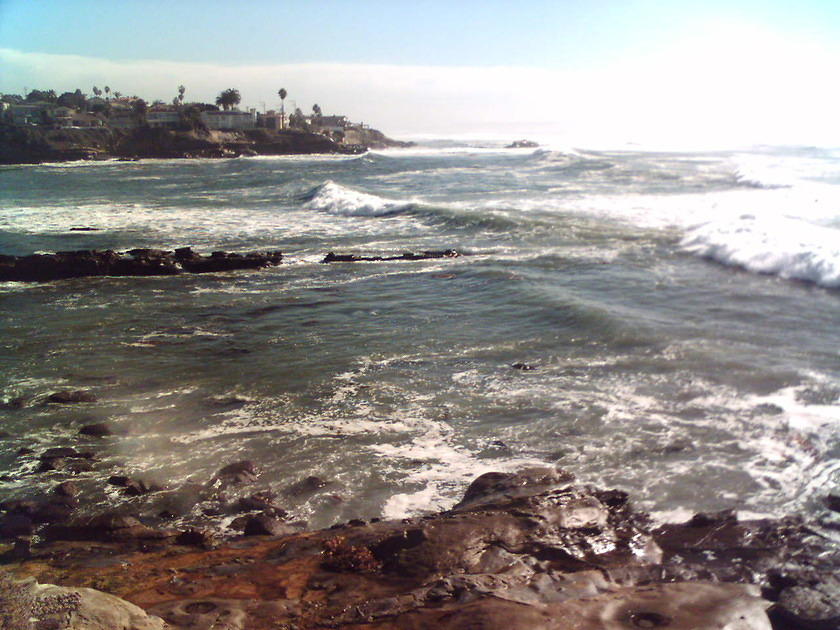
column 34, row 145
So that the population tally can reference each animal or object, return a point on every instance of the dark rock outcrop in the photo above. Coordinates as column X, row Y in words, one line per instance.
column 134, row 487
column 98, row 429
column 306, row 486
column 136, row 262
column 236, row 473
column 33, row 145
column 527, row 550
column 66, row 397
column 109, row 527
column 446, row 253
column 266, row 525
column 522, row 144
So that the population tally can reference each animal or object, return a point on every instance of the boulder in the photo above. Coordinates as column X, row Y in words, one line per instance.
column 66, row 489
column 194, row 537
column 66, row 397
column 306, row 486
column 259, row 501
column 495, row 486
column 18, row 402
column 237, row 473
column 525, row 367
column 99, row 429
column 265, row 525
column 134, row 487
column 64, row 452
column 77, row 608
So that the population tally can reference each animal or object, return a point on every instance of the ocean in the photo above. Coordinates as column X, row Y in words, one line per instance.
column 673, row 319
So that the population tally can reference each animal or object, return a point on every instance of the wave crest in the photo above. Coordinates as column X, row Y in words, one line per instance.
column 337, row 199
column 785, row 247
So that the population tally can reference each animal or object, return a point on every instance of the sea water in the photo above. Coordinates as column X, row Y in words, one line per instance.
column 679, row 312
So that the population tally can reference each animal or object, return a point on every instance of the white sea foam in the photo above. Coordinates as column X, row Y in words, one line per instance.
column 337, row 199
column 789, row 248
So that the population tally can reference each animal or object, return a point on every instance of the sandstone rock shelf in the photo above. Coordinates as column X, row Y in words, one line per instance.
column 532, row 550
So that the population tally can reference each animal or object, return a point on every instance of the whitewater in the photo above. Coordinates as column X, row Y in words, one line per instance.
column 672, row 317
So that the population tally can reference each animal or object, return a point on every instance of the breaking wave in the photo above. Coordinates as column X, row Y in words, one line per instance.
column 789, row 248
column 337, row 199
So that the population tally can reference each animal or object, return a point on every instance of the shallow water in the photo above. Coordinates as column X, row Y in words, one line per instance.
column 680, row 311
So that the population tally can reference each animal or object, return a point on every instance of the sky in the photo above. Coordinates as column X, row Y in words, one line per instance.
column 714, row 72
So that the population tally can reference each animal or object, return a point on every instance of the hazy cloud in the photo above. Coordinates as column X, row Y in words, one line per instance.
column 737, row 86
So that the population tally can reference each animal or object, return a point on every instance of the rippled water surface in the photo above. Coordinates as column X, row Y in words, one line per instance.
column 680, row 312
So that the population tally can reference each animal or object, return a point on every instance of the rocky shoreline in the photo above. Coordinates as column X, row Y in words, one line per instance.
column 35, row 145
column 529, row 550
column 158, row 262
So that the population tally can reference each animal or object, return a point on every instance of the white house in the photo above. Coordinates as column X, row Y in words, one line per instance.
column 333, row 124
column 122, row 119
column 28, row 113
column 165, row 118
column 272, row 120
column 230, row 120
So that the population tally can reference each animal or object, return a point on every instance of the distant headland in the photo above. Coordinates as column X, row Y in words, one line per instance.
column 45, row 127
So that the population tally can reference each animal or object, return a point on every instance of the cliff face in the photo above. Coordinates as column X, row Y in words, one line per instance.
column 372, row 139
column 33, row 145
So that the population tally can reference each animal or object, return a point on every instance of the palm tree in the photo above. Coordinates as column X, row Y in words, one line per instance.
column 107, row 92
column 97, row 92
column 117, row 94
column 282, row 94
column 228, row 98
column 181, row 90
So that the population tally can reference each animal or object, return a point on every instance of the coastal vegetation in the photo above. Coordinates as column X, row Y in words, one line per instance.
column 228, row 99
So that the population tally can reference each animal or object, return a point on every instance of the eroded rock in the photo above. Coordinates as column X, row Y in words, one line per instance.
column 67, row 397
column 426, row 255
column 135, row 262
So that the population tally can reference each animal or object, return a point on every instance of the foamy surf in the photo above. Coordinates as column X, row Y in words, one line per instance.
column 789, row 248
column 649, row 375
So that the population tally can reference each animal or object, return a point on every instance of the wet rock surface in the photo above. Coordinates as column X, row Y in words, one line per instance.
column 135, row 262
column 27, row 605
column 332, row 257
column 528, row 550
column 69, row 397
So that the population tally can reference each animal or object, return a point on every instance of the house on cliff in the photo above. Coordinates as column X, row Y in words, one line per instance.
column 272, row 120
column 84, row 119
column 163, row 117
column 232, row 120
column 23, row 114
column 330, row 124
